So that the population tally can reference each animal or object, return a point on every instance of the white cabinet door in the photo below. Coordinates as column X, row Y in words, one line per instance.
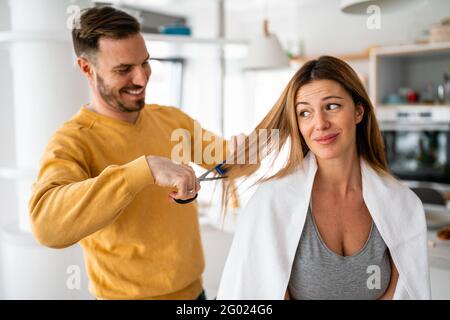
column 440, row 283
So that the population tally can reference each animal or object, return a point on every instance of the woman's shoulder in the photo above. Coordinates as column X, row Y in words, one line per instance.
column 399, row 186
column 390, row 187
column 290, row 180
column 280, row 191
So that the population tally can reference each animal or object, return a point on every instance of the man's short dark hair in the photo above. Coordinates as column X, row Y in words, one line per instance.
column 101, row 22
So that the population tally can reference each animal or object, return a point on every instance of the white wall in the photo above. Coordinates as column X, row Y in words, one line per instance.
column 201, row 77
column 7, row 150
column 325, row 29
column 41, row 88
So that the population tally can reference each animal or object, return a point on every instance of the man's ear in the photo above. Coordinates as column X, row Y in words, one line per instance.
column 86, row 67
column 359, row 108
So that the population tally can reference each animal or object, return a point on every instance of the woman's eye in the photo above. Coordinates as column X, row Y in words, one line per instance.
column 333, row 106
column 304, row 114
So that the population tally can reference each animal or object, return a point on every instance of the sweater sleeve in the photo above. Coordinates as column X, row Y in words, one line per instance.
column 68, row 205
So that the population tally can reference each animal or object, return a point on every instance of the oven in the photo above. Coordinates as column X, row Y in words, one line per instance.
column 417, row 144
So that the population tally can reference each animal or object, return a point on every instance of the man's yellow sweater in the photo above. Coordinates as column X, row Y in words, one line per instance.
column 95, row 188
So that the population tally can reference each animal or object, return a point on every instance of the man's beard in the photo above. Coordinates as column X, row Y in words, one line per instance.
column 113, row 100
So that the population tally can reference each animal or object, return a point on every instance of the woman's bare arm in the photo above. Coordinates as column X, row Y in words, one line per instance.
column 389, row 294
column 287, row 296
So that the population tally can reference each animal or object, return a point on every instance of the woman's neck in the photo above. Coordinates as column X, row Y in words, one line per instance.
column 341, row 175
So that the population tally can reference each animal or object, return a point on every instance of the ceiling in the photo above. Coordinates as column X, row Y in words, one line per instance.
column 231, row 5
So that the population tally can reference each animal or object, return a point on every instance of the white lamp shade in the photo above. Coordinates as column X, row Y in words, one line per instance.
column 265, row 52
column 386, row 6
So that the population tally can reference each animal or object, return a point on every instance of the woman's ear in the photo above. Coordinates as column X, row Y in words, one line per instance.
column 359, row 112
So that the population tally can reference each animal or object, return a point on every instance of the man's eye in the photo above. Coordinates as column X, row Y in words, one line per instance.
column 123, row 70
column 333, row 106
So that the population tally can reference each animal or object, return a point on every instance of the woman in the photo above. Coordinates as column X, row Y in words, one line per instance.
column 332, row 223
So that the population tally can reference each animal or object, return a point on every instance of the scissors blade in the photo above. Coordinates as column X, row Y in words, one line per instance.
column 203, row 176
column 216, row 168
column 212, row 179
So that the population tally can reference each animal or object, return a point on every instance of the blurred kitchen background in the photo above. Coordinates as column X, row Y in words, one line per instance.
column 212, row 59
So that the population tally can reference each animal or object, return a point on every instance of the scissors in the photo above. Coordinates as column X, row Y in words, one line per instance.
column 204, row 177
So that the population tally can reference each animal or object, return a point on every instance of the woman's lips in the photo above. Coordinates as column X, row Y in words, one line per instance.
column 327, row 139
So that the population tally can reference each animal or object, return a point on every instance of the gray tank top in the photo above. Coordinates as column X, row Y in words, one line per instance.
column 319, row 273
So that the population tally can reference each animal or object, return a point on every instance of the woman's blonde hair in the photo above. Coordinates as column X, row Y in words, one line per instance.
column 282, row 117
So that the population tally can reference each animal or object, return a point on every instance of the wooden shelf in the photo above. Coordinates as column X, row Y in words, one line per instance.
column 363, row 55
column 192, row 40
column 412, row 49
column 413, row 105
column 413, row 66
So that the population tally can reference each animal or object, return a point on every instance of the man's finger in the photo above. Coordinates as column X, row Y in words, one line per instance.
column 192, row 180
column 197, row 186
column 182, row 188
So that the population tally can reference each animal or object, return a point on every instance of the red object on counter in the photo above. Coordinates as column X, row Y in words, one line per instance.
column 412, row 96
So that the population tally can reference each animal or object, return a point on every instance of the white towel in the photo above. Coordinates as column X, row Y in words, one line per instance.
column 265, row 242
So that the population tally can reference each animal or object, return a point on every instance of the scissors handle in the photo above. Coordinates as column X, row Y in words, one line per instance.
column 187, row 200
column 203, row 177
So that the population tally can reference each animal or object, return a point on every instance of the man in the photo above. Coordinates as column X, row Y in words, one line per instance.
column 106, row 175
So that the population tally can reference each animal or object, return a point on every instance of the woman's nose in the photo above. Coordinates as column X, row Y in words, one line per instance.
column 321, row 121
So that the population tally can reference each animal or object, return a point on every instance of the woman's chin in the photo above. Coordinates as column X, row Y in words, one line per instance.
column 327, row 154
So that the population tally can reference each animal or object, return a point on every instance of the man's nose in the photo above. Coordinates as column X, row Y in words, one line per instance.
column 140, row 77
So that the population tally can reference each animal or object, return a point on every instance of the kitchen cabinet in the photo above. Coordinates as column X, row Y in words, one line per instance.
column 348, row 57
column 407, row 88
column 418, row 67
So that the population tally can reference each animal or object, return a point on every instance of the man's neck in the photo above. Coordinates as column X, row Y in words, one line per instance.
column 107, row 111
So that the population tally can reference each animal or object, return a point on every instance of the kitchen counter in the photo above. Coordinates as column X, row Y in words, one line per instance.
column 439, row 261
column 438, row 252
